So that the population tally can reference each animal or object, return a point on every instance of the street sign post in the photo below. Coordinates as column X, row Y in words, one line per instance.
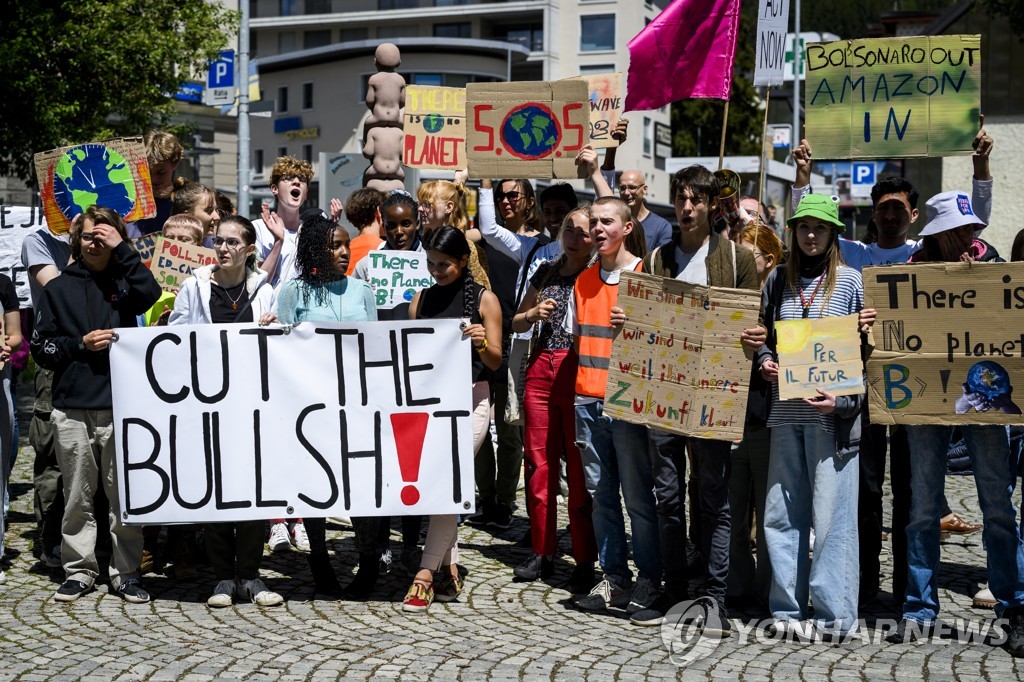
column 862, row 179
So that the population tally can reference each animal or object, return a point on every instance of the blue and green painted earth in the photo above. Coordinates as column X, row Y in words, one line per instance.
column 93, row 174
column 989, row 379
column 433, row 123
column 531, row 131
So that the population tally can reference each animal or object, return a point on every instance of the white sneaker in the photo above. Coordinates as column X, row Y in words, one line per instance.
column 280, row 540
column 299, row 537
column 3, row 577
column 223, row 594
column 256, row 592
column 606, row 593
column 643, row 596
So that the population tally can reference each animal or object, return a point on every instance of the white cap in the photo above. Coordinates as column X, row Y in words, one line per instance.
column 948, row 211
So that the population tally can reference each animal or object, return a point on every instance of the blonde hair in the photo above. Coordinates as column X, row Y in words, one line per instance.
column 289, row 166
column 636, row 241
column 162, row 146
column 442, row 190
column 833, row 262
column 185, row 221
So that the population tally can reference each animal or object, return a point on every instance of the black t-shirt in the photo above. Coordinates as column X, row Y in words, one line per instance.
column 8, row 295
column 227, row 302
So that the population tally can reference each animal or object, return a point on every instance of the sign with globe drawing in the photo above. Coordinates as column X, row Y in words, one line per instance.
column 435, row 127
column 945, row 351
column 526, row 130
column 113, row 173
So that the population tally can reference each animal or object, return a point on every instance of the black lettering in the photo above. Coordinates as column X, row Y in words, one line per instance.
column 261, row 335
column 174, row 470
column 391, row 362
column 347, row 455
column 151, row 375
column 339, row 360
column 257, row 447
column 225, row 379
column 892, row 281
column 148, row 464
column 318, row 457
column 408, row 369
column 454, row 415
column 211, row 435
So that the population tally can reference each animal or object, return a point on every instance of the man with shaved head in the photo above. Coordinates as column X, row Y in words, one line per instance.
column 632, row 188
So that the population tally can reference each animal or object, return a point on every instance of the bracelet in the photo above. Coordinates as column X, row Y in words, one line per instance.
column 482, row 348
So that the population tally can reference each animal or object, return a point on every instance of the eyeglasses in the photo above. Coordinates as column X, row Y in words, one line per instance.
column 631, row 188
column 231, row 243
column 512, row 197
column 88, row 237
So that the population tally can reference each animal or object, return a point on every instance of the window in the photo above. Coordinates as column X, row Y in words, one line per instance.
column 257, row 162
column 591, row 69
column 307, row 153
column 253, row 4
column 318, row 6
column 307, row 96
column 319, row 38
column 287, row 8
column 529, row 36
column 282, row 151
column 286, row 42
column 346, row 35
column 398, row 31
column 597, row 32
column 460, row 30
column 427, row 79
column 282, row 99
column 648, row 136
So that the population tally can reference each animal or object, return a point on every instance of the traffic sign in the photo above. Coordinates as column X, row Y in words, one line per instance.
column 862, row 179
column 220, row 80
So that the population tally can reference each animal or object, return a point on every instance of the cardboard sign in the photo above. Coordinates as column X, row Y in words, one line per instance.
column 113, row 174
column 16, row 223
column 893, row 97
column 605, row 107
column 435, row 127
column 948, row 343
column 146, row 245
column 821, row 353
column 770, row 52
column 678, row 364
column 174, row 261
column 238, row 422
column 526, row 130
column 396, row 276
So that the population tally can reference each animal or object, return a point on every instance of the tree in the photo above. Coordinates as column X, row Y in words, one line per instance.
column 82, row 70
column 1012, row 10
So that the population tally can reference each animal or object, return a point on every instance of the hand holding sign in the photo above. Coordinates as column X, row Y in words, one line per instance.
column 819, row 354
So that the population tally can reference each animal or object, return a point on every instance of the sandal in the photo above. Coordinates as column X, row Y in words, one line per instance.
column 449, row 587
column 419, row 597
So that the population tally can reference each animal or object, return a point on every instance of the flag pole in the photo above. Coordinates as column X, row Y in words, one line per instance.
column 721, row 146
column 764, row 142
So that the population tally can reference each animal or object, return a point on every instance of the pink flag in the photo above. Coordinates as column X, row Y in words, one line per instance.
column 686, row 52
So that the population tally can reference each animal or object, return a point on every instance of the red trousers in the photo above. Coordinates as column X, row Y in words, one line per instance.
column 550, row 435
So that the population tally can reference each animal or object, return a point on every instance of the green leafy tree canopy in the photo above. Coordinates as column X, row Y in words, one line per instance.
column 81, row 70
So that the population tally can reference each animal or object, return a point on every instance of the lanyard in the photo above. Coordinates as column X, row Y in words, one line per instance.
column 806, row 303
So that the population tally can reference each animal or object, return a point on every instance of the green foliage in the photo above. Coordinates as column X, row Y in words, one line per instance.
column 82, row 70
column 1013, row 10
column 743, row 136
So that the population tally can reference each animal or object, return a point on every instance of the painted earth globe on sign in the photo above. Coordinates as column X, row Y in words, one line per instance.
column 433, row 123
column 93, row 174
column 989, row 379
column 531, row 131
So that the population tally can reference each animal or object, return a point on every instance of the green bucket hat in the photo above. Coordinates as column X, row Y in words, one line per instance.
column 818, row 206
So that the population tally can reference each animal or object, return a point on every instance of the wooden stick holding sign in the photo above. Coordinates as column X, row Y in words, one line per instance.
column 819, row 354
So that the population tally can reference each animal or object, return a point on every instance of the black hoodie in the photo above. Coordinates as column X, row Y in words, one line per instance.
column 77, row 302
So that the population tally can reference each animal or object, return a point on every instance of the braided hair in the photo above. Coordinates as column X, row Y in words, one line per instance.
column 452, row 242
column 314, row 258
column 399, row 197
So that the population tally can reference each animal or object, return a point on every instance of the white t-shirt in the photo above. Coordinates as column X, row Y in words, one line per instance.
column 693, row 268
column 265, row 241
column 859, row 256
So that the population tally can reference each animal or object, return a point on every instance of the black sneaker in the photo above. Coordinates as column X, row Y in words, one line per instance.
column 654, row 614
column 582, row 579
column 533, row 568
column 1014, row 629
column 71, row 590
column 908, row 631
column 717, row 622
column 501, row 517
column 131, row 591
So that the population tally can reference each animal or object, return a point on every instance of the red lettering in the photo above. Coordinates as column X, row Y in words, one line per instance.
column 480, row 127
column 567, row 126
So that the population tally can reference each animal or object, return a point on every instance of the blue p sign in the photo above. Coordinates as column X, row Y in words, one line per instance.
column 863, row 173
column 222, row 71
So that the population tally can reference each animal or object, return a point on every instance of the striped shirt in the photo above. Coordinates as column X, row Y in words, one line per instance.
column 847, row 298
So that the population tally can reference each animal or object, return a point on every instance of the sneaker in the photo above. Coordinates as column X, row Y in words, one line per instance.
column 501, row 517
column 1014, row 629
column 448, row 587
column 582, row 579
column 223, row 594
column 419, row 597
column 256, row 592
column 71, row 590
column 280, row 540
column 410, row 559
column 606, row 593
column 643, row 595
column 717, row 621
column 534, row 568
column 483, row 517
column 984, row 599
column 299, row 537
column 3, row 577
column 51, row 557
column 384, row 565
column 908, row 631
column 654, row 614
column 131, row 591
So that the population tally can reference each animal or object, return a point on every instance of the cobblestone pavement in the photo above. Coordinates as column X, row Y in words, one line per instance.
column 497, row 630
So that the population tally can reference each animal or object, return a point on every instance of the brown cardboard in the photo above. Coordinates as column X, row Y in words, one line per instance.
column 935, row 323
column 502, row 143
column 435, row 127
column 605, row 92
column 678, row 363
column 174, row 261
column 822, row 353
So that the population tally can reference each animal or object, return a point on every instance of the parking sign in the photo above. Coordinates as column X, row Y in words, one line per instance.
column 220, row 80
column 862, row 179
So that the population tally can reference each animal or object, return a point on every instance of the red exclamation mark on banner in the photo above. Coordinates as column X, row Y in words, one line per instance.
column 410, row 428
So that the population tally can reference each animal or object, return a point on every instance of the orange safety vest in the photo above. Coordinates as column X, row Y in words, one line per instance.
column 594, row 302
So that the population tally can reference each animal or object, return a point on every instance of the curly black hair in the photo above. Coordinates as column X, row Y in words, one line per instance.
column 315, row 259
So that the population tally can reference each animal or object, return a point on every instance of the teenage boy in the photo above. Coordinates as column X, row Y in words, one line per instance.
column 698, row 256
column 363, row 211
column 277, row 232
column 614, row 452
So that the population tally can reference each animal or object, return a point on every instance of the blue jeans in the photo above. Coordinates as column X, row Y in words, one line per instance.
column 809, row 485
column 615, row 457
column 995, row 471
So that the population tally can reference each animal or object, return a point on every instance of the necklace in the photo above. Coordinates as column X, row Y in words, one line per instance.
column 236, row 299
column 806, row 303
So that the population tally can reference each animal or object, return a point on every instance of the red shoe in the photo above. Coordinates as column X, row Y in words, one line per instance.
column 419, row 597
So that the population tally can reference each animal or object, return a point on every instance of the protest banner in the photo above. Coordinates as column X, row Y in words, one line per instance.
column 238, row 422
column 605, row 92
column 948, row 343
column 174, row 261
column 893, row 97
column 678, row 364
column 113, row 173
column 770, row 52
column 16, row 223
column 435, row 127
column 396, row 276
column 821, row 353
column 145, row 246
column 526, row 130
